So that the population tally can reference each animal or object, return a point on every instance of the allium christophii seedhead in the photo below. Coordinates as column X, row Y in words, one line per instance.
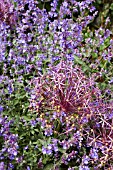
column 64, row 89
column 7, row 13
column 68, row 102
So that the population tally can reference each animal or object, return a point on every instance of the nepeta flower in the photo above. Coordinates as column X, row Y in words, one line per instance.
column 10, row 146
column 1, row 108
column 2, row 165
column 84, row 168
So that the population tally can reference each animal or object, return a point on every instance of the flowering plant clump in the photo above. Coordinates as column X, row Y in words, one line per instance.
column 56, row 85
column 10, row 148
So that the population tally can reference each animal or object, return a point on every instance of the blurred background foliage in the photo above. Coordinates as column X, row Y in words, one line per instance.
column 104, row 8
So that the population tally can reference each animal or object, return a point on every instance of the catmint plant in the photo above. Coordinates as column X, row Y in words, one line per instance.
column 9, row 149
column 56, row 85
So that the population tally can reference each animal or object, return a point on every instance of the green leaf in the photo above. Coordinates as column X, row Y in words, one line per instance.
column 15, row 102
column 99, row 1
column 61, row 150
column 48, row 141
column 6, row 91
column 94, row 55
column 82, row 63
column 78, row 60
column 105, row 45
column 49, row 167
column 26, row 118
column 111, row 6
column 42, row 142
column 36, row 130
column 76, row 168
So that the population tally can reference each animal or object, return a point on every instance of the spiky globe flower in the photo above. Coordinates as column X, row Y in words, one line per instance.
column 7, row 13
column 64, row 92
column 70, row 107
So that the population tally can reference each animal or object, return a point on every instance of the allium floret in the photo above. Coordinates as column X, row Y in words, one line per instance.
column 7, row 12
